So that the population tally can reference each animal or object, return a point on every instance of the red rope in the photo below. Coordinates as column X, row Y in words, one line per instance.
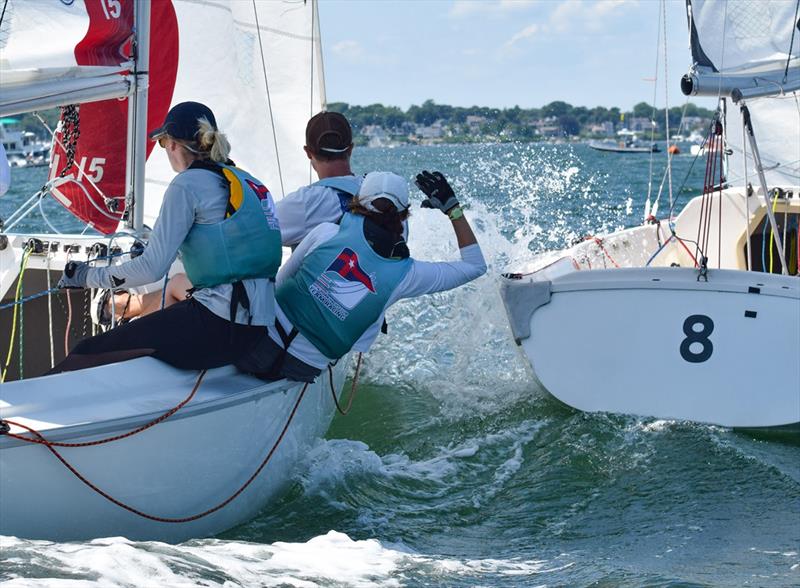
column 694, row 259
column 599, row 243
column 181, row 519
column 42, row 441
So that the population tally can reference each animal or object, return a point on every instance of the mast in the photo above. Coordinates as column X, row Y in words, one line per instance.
column 137, row 118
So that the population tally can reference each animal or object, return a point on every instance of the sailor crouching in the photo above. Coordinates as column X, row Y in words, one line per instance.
column 334, row 290
column 222, row 220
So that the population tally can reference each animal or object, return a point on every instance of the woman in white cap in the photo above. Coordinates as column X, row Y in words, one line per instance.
column 334, row 290
column 222, row 221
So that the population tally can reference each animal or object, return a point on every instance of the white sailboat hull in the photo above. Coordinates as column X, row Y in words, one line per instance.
column 658, row 342
column 180, row 467
column 626, row 323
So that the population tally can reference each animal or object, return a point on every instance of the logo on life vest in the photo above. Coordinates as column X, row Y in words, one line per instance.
column 343, row 284
column 267, row 204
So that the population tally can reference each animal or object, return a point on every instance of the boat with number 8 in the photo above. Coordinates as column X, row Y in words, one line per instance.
column 139, row 448
column 696, row 316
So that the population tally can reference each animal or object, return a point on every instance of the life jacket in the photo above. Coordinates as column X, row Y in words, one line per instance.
column 346, row 188
column 341, row 288
column 245, row 245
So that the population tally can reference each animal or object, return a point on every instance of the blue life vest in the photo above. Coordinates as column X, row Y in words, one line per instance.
column 245, row 245
column 346, row 187
column 341, row 288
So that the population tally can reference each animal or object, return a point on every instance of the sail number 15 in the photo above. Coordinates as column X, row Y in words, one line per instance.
column 699, row 337
column 111, row 8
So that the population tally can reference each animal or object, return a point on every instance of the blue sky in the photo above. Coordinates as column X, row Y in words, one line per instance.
column 501, row 53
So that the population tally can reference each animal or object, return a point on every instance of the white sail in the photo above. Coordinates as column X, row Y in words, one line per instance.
column 744, row 36
column 38, row 75
column 776, row 125
column 750, row 52
column 257, row 66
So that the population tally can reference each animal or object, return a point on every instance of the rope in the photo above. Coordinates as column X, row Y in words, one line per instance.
column 772, row 230
column 23, row 264
column 269, row 100
column 599, row 243
column 51, row 447
column 50, row 315
column 353, row 388
column 42, row 441
column 69, row 323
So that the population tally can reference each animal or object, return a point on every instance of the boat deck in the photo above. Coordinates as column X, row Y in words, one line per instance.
column 122, row 394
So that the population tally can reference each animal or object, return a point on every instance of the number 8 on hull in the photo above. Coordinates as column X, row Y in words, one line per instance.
column 699, row 316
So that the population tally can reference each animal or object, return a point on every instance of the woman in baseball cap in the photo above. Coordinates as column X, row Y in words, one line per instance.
column 334, row 290
column 221, row 220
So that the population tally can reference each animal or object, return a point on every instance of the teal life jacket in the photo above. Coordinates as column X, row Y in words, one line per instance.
column 245, row 245
column 341, row 288
column 346, row 188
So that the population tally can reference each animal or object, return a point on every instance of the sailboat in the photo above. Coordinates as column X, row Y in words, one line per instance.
column 139, row 448
column 696, row 316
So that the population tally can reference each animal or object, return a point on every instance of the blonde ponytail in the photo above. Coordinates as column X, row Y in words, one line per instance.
column 212, row 141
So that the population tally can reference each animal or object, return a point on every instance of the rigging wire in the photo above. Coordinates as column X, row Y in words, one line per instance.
column 269, row 100
column 666, row 98
column 795, row 24
column 647, row 207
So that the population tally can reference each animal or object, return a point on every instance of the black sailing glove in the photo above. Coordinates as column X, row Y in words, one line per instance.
column 439, row 193
column 74, row 275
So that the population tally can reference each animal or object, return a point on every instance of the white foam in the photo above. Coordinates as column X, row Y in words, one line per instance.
column 323, row 560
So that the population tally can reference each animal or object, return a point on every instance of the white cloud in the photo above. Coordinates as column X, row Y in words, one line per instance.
column 574, row 17
column 527, row 32
column 348, row 49
column 463, row 8
column 592, row 16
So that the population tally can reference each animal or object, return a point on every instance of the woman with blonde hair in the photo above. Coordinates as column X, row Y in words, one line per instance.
column 222, row 221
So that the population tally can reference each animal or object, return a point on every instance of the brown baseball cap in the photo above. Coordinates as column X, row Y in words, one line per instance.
column 329, row 132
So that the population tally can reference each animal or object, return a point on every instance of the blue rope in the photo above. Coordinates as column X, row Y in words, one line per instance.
column 51, row 290
column 28, row 298
column 658, row 251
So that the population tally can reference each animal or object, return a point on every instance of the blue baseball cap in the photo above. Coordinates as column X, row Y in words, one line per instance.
column 181, row 121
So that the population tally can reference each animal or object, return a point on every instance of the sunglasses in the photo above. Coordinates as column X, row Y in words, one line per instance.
column 162, row 141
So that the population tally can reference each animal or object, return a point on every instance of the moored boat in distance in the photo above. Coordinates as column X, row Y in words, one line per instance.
column 694, row 317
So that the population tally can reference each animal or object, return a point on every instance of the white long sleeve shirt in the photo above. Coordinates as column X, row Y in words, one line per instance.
column 423, row 277
column 194, row 196
column 306, row 208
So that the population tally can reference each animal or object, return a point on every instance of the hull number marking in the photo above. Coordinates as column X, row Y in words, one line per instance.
column 700, row 337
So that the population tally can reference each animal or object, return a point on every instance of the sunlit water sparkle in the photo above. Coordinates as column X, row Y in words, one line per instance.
column 453, row 467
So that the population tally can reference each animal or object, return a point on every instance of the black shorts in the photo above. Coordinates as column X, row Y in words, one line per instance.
column 186, row 335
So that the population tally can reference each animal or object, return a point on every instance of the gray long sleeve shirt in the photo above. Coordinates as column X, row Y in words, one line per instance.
column 194, row 196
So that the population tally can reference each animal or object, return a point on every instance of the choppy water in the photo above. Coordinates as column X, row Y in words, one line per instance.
column 454, row 470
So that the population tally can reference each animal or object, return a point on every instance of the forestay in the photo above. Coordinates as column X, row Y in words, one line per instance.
column 258, row 66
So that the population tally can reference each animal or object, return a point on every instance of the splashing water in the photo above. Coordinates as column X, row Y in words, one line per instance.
column 454, row 469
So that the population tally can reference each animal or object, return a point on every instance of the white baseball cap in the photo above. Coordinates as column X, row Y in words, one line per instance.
column 384, row 185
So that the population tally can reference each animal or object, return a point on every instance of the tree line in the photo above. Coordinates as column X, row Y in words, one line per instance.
column 516, row 120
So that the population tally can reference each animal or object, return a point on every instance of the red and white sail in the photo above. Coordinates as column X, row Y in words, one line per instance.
column 91, row 57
